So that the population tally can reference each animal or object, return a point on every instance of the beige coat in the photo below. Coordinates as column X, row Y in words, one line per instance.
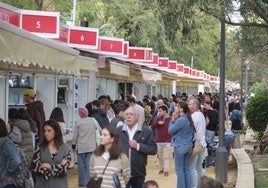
column 85, row 135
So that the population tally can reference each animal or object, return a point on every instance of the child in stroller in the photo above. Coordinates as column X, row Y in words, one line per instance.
column 212, row 148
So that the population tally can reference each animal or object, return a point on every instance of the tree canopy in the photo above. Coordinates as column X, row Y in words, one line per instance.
column 179, row 29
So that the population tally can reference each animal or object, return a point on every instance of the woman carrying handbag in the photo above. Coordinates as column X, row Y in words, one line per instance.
column 109, row 165
column 182, row 130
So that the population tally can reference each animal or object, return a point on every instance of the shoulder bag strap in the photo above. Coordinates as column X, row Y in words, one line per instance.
column 194, row 132
column 105, row 167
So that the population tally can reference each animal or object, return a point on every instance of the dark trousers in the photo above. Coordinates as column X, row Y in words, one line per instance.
column 10, row 186
column 135, row 182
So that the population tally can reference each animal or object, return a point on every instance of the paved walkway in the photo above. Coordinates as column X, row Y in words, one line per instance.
column 164, row 182
column 245, row 171
column 233, row 175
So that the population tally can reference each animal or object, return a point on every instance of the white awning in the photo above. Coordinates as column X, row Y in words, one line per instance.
column 119, row 69
column 151, row 75
column 84, row 64
column 23, row 48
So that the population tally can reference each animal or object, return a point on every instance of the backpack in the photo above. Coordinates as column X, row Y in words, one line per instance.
column 23, row 177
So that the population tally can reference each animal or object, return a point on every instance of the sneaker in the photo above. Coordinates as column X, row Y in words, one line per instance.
column 161, row 172
column 166, row 174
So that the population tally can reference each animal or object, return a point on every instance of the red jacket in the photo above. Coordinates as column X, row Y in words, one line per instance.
column 162, row 134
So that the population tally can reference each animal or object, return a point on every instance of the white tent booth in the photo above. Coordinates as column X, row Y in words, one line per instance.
column 59, row 74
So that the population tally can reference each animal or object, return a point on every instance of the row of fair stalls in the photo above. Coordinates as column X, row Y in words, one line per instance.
column 70, row 66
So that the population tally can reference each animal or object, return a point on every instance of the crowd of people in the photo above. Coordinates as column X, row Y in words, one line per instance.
column 112, row 139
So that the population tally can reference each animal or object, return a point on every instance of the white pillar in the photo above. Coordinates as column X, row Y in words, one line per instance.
column 92, row 86
column 74, row 11
column 174, row 87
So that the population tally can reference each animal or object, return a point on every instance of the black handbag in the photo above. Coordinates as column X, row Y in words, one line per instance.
column 95, row 182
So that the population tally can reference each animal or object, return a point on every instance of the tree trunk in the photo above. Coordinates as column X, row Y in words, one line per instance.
column 263, row 145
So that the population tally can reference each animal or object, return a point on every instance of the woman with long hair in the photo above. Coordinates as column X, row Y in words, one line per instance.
column 25, row 125
column 51, row 158
column 106, row 106
column 182, row 130
column 57, row 115
column 110, row 153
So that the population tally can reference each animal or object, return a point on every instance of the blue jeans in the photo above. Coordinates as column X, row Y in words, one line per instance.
column 209, row 160
column 228, row 141
column 135, row 182
column 210, row 136
column 196, row 167
column 182, row 166
column 10, row 186
column 83, row 160
column 210, row 140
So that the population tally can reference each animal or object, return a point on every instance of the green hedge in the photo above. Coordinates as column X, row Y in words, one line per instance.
column 257, row 113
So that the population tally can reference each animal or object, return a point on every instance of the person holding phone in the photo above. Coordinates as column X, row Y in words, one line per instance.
column 163, row 139
column 181, row 128
column 51, row 158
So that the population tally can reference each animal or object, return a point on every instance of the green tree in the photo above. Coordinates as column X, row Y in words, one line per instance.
column 179, row 29
column 260, row 89
column 257, row 114
column 250, row 34
column 22, row 4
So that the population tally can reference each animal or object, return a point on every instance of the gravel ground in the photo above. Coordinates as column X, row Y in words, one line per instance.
column 165, row 181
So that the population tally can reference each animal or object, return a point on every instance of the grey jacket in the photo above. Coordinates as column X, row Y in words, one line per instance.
column 26, row 143
column 85, row 135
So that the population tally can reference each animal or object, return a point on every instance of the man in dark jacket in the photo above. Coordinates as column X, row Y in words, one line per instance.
column 138, row 141
column 119, row 118
column 94, row 110
column 36, row 111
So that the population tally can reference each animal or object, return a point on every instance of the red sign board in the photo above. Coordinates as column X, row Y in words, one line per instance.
column 10, row 14
column 180, row 67
column 126, row 45
column 64, row 34
column 82, row 37
column 136, row 53
column 197, row 73
column 201, row 75
column 193, row 72
column 213, row 78
column 205, row 75
column 140, row 54
column 148, row 54
column 111, row 46
column 163, row 62
column 172, row 65
column 155, row 59
column 41, row 23
column 186, row 70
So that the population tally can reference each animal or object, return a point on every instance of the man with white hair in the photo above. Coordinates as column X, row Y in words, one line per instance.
column 140, row 110
column 138, row 142
column 200, row 128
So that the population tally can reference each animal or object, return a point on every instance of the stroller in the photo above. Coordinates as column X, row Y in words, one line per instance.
column 212, row 148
